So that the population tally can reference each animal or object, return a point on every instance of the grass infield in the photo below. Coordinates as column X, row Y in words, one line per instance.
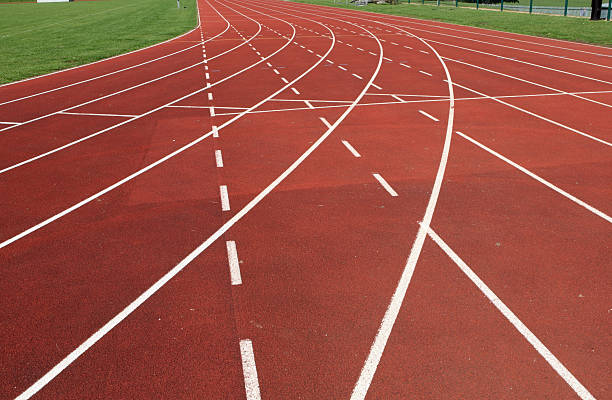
column 39, row 38
column 557, row 27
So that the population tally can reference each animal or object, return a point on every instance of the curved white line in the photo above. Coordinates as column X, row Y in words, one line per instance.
column 120, row 70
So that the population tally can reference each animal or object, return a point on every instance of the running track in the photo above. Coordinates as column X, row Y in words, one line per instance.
column 294, row 201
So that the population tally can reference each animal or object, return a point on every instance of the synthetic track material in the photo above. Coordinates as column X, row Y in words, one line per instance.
column 238, row 227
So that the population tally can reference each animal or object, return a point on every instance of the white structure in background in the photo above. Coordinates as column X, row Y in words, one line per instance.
column 53, row 1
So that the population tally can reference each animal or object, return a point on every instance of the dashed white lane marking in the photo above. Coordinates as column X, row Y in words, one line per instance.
column 397, row 98
column 404, row 65
column 284, row 80
column 395, row 44
column 295, row 90
column 207, row 76
column 351, row 148
column 341, row 67
column 96, row 115
column 206, row 68
column 371, row 52
column 386, row 58
column 249, row 370
column 329, row 61
column 215, row 131
column 424, row 52
column 429, row 116
column 425, row 73
column 234, row 264
column 357, row 76
column 360, row 49
column 269, row 65
column 212, row 111
column 225, row 205
column 537, row 178
column 308, row 104
column 219, row 158
column 376, row 86
column 514, row 320
column 384, row 184
column 210, row 96
column 276, row 71
column 310, row 51
column 327, row 124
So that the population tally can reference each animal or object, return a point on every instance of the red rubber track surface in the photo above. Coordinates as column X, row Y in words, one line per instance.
column 114, row 172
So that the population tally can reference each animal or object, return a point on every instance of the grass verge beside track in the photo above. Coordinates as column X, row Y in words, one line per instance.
column 557, row 27
column 39, row 38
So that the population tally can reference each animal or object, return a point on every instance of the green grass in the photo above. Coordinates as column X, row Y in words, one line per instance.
column 41, row 38
column 558, row 27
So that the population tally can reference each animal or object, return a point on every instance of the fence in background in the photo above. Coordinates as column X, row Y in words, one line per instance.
column 574, row 8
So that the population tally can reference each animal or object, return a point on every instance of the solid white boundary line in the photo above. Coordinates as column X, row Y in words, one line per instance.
column 536, row 115
column 514, row 320
column 249, row 370
column 99, row 334
column 99, row 115
column 385, row 184
column 524, row 170
column 384, row 331
column 234, row 264
column 351, row 148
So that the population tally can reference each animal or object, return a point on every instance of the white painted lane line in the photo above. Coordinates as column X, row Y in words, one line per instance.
column 210, row 96
column 295, row 90
column 425, row 73
column 429, row 116
column 397, row 98
column 309, row 104
column 249, row 370
column 207, row 76
column 386, row 326
column 225, row 206
column 219, row 158
column 276, row 71
column 269, row 65
column 234, row 264
column 360, row 49
column 9, row 123
column 514, row 320
column 374, row 54
column 424, row 52
column 404, row 65
column 329, row 61
column 341, row 67
column 327, row 124
column 310, row 51
column 565, row 194
column 384, row 184
column 284, row 80
column 395, row 44
column 386, row 58
column 536, row 115
column 212, row 111
column 99, row 115
column 376, row 86
column 215, row 131
column 357, row 76
column 351, row 148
